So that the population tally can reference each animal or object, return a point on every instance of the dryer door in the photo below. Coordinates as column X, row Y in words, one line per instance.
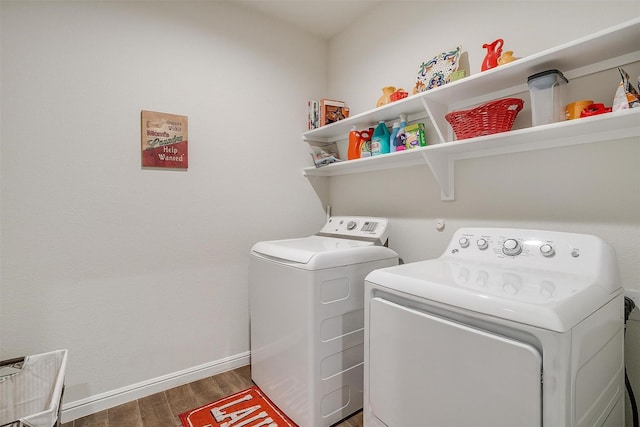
column 429, row 371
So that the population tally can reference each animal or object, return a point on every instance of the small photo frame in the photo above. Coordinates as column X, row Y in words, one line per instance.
column 332, row 111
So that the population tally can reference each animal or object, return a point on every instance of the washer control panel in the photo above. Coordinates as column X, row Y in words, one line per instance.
column 558, row 251
column 357, row 227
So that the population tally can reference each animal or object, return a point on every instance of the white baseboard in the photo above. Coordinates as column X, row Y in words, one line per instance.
column 102, row 401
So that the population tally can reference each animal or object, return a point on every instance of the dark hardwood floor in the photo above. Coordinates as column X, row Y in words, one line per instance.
column 162, row 409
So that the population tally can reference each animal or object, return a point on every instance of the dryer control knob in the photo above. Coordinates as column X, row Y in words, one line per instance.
column 511, row 247
column 351, row 225
column 482, row 244
column 547, row 250
column 464, row 242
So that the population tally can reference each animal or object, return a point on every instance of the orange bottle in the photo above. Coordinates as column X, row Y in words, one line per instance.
column 355, row 140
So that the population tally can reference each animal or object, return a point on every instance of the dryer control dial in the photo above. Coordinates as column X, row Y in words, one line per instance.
column 547, row 250
column 351, row 225
column 464, row 242
column 482, row 243
column 511, row 247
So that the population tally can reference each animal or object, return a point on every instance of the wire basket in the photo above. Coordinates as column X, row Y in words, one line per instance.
column 493, row 117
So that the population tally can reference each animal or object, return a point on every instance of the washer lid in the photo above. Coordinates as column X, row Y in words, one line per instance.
column 546, row 299
column 315, row 252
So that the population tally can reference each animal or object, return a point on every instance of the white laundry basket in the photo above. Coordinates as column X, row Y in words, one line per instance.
column 31, row 390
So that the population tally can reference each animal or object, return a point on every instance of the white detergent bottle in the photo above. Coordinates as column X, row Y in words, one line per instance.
column 401, row 136
column 392, row 138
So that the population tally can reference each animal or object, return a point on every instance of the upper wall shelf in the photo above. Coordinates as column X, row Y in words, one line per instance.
column 597, row 52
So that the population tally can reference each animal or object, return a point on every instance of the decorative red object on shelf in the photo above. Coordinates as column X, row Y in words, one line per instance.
column 594, row 110
column 493, row 117
column 399, row 94
column 494, row 50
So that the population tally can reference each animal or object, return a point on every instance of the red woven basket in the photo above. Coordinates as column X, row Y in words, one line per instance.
column 493, row 117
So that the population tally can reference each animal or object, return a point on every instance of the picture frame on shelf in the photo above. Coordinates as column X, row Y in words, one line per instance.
column 332, row 111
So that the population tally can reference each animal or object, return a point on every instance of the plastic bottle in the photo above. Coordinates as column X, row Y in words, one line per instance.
column 380, row 140
column 365, row 143
column 401, row 135
column 354, row 144
column 392, row 138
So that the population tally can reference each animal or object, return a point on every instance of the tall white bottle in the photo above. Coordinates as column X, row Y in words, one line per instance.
column 392, row 137
column 401, row 136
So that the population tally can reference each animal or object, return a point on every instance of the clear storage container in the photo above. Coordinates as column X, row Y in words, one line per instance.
column 548, row 94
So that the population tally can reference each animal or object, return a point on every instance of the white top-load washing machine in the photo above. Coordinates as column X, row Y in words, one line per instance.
column 509, row 327
column 307, row 317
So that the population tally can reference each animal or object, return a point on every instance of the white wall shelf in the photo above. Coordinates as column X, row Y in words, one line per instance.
column 594, row 53
column 441, row 157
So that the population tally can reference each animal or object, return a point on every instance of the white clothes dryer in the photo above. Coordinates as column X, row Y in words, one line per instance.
column 509, row 327
column 307, row 317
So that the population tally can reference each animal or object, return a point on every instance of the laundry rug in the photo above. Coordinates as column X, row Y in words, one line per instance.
column 248, row 408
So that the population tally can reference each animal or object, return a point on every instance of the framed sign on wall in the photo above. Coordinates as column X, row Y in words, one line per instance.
column 164, row 140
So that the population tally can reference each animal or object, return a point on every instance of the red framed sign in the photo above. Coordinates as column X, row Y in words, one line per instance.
column 164, row 140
